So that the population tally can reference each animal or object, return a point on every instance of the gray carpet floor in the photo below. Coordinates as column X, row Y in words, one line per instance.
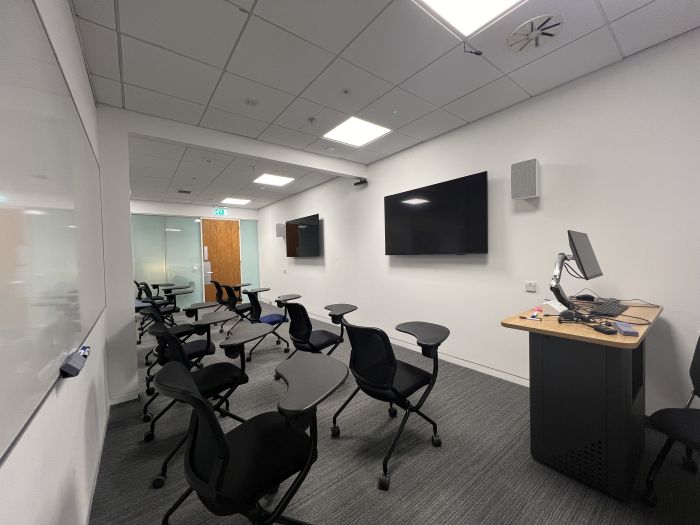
column 482, row 474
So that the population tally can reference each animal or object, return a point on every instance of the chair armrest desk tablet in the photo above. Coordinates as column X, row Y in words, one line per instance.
column 337, row 311
column 587, row 399
column 158, row 286
column 215, row 318
column 193, row 309
column 244, row 334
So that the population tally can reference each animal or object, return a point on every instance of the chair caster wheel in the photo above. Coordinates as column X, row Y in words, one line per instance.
column 278, row 342
column 286, row 350
column 335, row 431
column 150, row 391
column 384, row 482
column 158, row 482
column 649, row 498
column 247, row 359
column 437, row 442
column 689, row 464
column 277, row 377
column 146, row 417
column 392, row 412
column 149, row 436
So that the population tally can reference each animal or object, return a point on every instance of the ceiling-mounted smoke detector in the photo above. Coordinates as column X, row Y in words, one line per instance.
column 535, row 32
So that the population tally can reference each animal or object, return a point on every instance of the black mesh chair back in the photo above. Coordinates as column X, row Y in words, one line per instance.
column 219, row 293
column 372, row 359
column 299, row 323
column 169, row 347
column 232, row 299
column 146, row 289
column 255, row 306
column 207, row 454
column 154, row 313
column 695, row 369
column 139, row 295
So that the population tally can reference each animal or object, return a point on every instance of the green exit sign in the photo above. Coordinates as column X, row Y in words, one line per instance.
column 220, row 211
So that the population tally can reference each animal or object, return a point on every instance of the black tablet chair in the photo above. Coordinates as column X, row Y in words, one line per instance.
column 383, row 377
column 232, row 471
column 215, row 382
column 302, row 334
column 678, row 424
column 236, row 305
column 221, row 299
column 255, row 316
column 166, row 308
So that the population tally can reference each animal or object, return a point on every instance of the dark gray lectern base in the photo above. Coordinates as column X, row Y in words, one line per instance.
column 587, row 411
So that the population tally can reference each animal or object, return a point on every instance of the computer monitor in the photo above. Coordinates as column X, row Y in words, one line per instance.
column 584, row 255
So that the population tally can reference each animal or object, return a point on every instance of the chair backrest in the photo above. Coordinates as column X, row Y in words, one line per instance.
column 695, row 369
column 372, row 359
column 299, row 323
column 219, row 292
column 207, row 454
column 232, row 297
column 143, row 285
column 154, row 313
column 255, row 306
column 139, row 295
column 169, row 347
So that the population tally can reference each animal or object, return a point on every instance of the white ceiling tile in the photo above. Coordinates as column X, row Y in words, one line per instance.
column 329, row 148
column 153, row 103
column 151, row 197
column 205, row 29
column 107, row 91
column 287, row 137
column 395, row 109
column 585, row 55
column 486, row 100
column 100, row 48
column 579, row 18
column 654, row 23
column 233, row 91
column 160, row 70
column 207, row 156
column 451, row 76
column 400, row 41
column 98, row 11
column 191, row 172
column 341, row 20
column 150, row 185
column 297, row 116
column 245, row 4
column 277, row 58
column 155, row 148
column 614, row 9
column 363, row 87
column 391, row 143
column 432, row 125
column 364, row 156
column 238, row 124
column 147, row 167
column 310, row 180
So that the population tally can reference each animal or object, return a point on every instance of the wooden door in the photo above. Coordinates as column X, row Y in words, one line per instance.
column 222, row 242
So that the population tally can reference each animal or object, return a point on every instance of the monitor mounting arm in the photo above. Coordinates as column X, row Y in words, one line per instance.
column 554, row 285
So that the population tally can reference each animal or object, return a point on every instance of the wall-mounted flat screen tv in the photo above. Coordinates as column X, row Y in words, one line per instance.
column 304, row 237
column 446, row 218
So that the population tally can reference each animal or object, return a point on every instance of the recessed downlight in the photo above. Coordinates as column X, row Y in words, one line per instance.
column 356, row 132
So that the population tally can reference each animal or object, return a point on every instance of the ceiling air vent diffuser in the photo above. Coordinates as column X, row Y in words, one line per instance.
column 535, row 32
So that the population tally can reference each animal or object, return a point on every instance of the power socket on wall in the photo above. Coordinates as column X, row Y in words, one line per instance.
column 531, row 286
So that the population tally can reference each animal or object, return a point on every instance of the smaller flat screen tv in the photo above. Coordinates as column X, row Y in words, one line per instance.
column 304, row 237
column 446, row 218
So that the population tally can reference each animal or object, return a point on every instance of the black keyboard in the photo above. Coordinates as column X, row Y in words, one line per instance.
column 611, row 308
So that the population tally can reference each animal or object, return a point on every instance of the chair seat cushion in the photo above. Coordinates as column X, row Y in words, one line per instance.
column 320, row 340
column 681, row 424
column 265, row 451
column 273, row 319
column 245, row 307
column 217, row 378
column 409, row 378
column 198, row 348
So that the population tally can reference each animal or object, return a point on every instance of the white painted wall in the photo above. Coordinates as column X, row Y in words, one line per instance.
column 188, row 210
column 49, row 475
column 622, row 142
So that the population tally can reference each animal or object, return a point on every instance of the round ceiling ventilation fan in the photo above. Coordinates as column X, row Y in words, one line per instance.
column 534, row 32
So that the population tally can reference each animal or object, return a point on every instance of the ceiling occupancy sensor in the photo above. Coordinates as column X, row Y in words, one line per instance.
column 465, row 17
column 356, row 132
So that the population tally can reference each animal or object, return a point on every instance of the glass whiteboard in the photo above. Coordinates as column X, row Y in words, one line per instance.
column 51, row 266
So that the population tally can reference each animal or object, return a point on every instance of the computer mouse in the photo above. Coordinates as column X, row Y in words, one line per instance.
column 585, row 297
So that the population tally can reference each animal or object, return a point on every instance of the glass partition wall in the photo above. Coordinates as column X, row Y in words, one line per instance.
column 168, row 249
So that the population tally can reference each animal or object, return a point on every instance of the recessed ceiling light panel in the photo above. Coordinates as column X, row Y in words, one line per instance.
column 235, row 202
column 466, row 17
column 273, row 180
column 356, row 132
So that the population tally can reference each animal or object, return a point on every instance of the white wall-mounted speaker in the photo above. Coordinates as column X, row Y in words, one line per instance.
column 280, row 230
column 525, row 179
